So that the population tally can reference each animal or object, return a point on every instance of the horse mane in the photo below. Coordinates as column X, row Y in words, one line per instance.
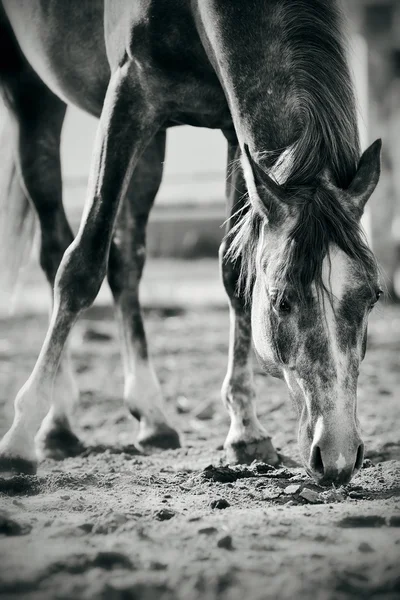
column 326, row 110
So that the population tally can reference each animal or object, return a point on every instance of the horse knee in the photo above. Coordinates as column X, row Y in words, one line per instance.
column 78, row 279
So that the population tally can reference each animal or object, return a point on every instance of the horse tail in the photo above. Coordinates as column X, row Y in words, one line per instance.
column 17, row 219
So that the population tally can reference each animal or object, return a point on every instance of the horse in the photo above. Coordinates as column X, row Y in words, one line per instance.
column 299, row 275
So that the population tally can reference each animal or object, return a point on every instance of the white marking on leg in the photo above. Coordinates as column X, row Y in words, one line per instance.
column 65, row 398
column 143, row 392
column 238, row 391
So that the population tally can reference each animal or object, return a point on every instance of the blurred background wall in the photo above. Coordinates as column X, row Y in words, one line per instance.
column 189, row 211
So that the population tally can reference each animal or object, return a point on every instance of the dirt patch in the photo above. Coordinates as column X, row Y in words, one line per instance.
column 181, row 524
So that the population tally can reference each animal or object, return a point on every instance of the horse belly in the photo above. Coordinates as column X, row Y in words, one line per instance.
column 64, row 44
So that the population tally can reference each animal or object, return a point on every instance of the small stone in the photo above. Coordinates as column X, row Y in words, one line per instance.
column 207, row 530
column 225, row 542
column 310, row 496
column 164, row 514
column 365, row 547
column 394, row 521
column 219, row 503
column 367, row 464
column 291, row 489
column 183, row 405
column 271, row 494
column 65, row 497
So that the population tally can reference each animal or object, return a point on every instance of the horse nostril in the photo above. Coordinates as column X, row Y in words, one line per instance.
column 317, row 464
column 359, row 457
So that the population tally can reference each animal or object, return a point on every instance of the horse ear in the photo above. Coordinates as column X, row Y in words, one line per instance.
column 367, row 176
column 270, row 193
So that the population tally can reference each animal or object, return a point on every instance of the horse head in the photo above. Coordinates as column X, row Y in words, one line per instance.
column 314, row 281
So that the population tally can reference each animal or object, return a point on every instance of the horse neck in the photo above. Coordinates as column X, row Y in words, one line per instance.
column 283, row 68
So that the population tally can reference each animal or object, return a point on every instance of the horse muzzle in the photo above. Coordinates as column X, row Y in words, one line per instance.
column 333, row 457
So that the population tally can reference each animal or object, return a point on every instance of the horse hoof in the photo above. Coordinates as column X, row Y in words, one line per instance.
column 243, row 453
column 162, row 437
column 14, row 465
column 59, row 443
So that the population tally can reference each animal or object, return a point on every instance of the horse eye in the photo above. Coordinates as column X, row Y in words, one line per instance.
column 284, row 306
column 378, row 295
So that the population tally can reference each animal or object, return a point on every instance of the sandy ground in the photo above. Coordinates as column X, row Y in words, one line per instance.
column 114, row 524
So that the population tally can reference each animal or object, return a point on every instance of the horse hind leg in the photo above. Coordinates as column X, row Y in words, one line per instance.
column 37, row 116
column 247, row 439
column 143, row 396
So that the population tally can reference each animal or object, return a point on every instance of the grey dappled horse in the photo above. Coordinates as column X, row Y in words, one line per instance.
column 272, row 75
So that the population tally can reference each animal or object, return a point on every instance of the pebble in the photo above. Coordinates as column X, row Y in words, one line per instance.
column 164, row 514
column 183, row 405
column 219, row 503
column 291, row 489
column 65, row 497
column 225, row 542
column 271, row 494
column 310, row 496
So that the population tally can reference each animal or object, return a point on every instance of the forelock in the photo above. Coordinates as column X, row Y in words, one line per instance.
column 322, row 223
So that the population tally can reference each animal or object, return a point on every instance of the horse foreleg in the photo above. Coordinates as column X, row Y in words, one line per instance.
column 127, row 124
column 247, row 439
column 143, row 396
